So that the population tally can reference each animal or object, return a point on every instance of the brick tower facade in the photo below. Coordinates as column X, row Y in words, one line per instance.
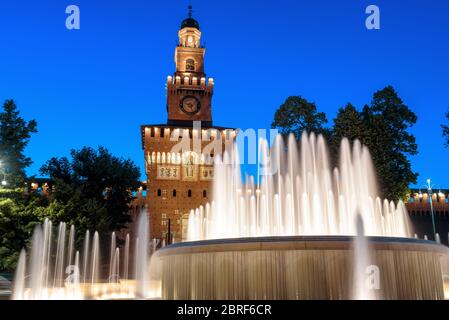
column 179, row 155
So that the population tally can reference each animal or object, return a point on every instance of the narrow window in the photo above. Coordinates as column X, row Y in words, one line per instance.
column 189, row 193
column 174, row 193
column 159, row 192
column 204, row 194
column 190, row 65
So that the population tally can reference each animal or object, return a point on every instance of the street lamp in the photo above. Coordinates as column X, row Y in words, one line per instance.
column 429, row 189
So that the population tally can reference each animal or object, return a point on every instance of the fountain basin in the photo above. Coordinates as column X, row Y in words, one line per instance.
column 303, row 267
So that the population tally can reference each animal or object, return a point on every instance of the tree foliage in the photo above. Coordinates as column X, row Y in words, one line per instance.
column 349, row 123
column 19, row 214
column 92, row 190
column 296, row 115
column 387, row 120
column 15, row 134
column 382, row 126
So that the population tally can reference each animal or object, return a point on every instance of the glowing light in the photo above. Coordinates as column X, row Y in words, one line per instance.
column 305, row 192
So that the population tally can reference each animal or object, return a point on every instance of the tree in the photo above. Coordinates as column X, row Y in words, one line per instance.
column 387, row 120
column 348, row 124
column 382, row 126
column 446, row 131
column 93, row 190
column 15, row 135
column 16, row 220
column 19, row 214
column 297, row 115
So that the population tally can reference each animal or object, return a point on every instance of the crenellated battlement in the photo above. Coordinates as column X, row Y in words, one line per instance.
column 174, row 134
column 190, row 81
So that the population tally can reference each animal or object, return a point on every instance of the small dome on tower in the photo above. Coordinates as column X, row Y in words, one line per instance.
column 190, row 22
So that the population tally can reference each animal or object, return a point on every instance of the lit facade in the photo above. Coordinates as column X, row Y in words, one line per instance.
column 179, row 155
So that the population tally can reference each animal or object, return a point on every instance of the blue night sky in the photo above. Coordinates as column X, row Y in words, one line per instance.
column 96, row 86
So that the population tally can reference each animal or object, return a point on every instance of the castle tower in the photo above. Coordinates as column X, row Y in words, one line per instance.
column 178, row 155
column 189, row 93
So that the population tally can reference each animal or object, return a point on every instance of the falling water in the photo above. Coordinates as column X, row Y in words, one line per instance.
column 42, row 282
column 55, row 272
column 142, row 258
column 86, row 255
column 77, row 268
column 37, row 260
column 19, row 279
column 115, row 267
column 71, row 245
column 72, row 288
column 112, row 252
column 45, row 266
column 59, row 264
column 299, row 194
column 361, row 261
column 95, row 259
column 126, row 259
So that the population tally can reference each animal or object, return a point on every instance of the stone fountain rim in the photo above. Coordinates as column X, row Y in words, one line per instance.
column 300, row 243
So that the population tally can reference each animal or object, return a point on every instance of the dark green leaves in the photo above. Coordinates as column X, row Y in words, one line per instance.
column 93, row 189
column 297, row 115
column 382, row 126
column 15, row 135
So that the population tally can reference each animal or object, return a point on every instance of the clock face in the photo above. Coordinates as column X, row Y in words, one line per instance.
column 190, row 105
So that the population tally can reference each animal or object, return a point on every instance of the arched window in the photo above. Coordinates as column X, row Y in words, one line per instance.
column 174, row 193
column 159, row 192
column 204, row 193
column 190, row 65
column 189, row 193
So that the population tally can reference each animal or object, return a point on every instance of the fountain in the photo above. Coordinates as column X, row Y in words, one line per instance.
column 299, row 195
column 362, row 260
column 304, row 231
column 58, row 275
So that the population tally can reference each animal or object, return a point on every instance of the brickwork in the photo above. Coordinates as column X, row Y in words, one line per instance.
column 178, row 155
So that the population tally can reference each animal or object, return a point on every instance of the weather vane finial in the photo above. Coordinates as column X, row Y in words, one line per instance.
column 190, row 11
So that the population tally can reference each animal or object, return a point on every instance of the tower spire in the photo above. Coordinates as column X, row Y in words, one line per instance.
column 190, row 22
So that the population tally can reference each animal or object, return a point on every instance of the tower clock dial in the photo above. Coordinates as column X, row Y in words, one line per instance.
column 190, row 105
